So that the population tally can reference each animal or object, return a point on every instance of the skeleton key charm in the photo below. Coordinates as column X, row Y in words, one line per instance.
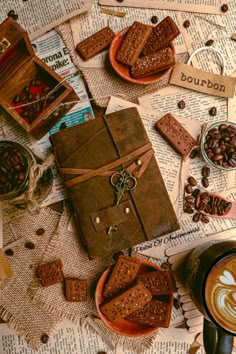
column 123, row 182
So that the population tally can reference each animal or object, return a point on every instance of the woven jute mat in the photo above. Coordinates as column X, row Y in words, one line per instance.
column 66, row 245
column 104, row 82
column 31, row 230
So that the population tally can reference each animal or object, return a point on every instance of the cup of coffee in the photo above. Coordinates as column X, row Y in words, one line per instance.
column 211, row 280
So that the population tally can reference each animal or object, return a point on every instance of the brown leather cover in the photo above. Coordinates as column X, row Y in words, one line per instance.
column 97, row 143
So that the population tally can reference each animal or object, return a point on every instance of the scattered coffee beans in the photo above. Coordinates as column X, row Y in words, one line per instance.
column 205, row 182
column 213, row 111
column 181, row 104
column 154, row 19
column 44, row 338
column 220, row 145
column 186, row 24
column 206, row 171
column 30, row 245
column 13, row 166
column 192, row 181
column 224, row 8
column 188, row 189
column 9, row 252
column 209, row 42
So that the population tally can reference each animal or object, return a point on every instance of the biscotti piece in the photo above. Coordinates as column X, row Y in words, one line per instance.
column 158, row 282
column 50, row 273
column 123, row 274
column 153, row 63
column 177, row 136
column 133, row 43
column 95, row 44
column 76, row 289
column 164, row 33
column 124, row 304
column 154, row 314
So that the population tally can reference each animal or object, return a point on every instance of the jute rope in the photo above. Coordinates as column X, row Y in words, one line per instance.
column 30, row 199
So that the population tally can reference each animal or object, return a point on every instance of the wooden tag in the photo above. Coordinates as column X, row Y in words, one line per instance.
column 198, row 80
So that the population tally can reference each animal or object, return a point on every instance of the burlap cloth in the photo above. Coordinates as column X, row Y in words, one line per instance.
column 16, row 306
column 66, row 246
column 104, row 82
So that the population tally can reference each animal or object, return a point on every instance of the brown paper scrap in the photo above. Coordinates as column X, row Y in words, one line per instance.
column 113, row 13
column 5, row 269
column 198, row 80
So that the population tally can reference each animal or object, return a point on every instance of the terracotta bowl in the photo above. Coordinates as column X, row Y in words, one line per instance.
column 123, row 326
column 124, row 71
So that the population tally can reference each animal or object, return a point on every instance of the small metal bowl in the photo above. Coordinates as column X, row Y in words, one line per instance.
column 221, row 160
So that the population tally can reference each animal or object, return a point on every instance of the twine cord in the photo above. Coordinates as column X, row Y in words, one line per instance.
column 30, row 198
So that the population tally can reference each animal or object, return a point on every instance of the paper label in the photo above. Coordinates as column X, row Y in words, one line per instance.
column 198, row 80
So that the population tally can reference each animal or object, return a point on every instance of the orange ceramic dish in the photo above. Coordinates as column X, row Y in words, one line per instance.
column 123, row 326
column 124, row 71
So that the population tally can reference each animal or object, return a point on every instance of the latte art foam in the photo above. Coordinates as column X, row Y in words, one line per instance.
column 220, row 293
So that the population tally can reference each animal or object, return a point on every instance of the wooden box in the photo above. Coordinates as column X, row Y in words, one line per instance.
column 18, row 67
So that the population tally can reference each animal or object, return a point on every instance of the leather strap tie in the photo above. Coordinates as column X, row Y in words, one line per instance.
column 145, row 151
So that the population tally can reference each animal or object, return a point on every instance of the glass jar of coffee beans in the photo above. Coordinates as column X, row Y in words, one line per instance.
column 15, row 164
column 218, row 145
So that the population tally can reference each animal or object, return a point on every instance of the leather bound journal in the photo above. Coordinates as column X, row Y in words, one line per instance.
column 88, row 155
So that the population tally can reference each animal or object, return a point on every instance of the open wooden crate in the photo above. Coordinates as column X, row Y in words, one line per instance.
column 18, row 67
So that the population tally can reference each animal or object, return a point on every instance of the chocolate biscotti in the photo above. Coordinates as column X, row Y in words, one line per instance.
column 133, row 43
column 164, row 33
column 124, row 304
column 177, row 136
column 153, row 63
column 122, row 275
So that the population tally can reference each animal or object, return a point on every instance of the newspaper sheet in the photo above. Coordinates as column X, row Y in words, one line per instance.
column 52, row 50
column 40, row 16
column 219, row 29
column 202, row 6
column 88, row 23
column 75, row 339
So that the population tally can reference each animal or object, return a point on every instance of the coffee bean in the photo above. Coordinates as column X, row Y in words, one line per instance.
column 213, row 111
column 224, row 8
column 16, row 99
column 197, row 217
column 188, row 189
column 204, row 196
column 181, row 104
column 206, row 171
column 228, row 207
column 154, row 19
column 186, row 23
column 192, row 181
column 44, row 338
column 9, row 252
column 205, row 182
column 40, row 231
column 188, row 210
column 209, row 42
column 204, row 219
column 11, row 13
column 189, row 198
column 30, row 245
column 195, row 192
column 32, row 83
column 37, row 82
column 26, row 89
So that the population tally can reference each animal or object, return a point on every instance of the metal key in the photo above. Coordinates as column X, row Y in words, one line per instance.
column 123, row 182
